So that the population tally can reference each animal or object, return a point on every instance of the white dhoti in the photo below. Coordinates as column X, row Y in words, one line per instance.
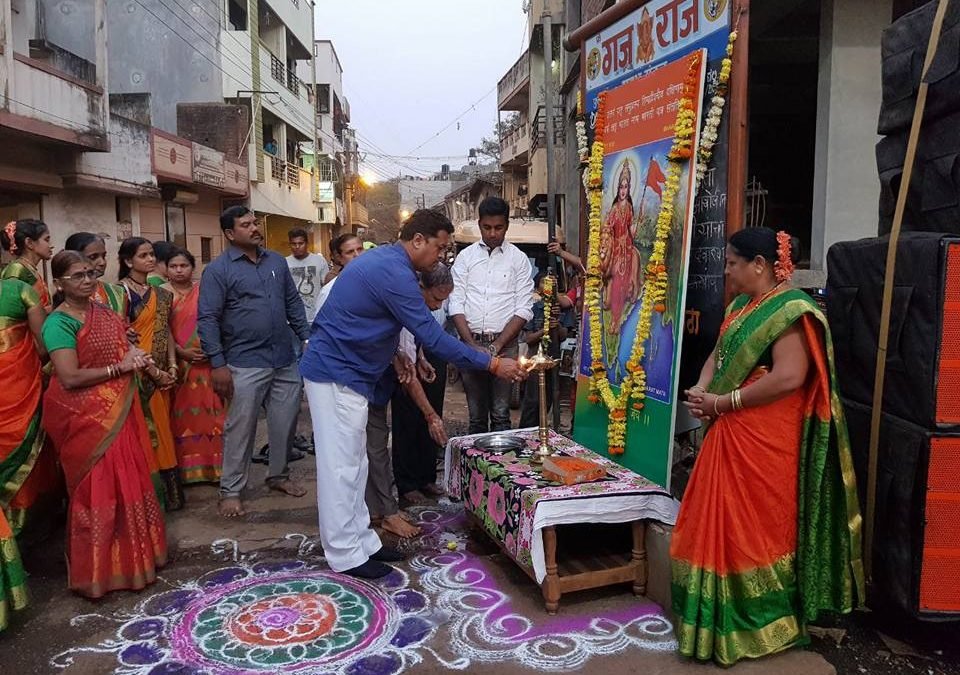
column 339, row 417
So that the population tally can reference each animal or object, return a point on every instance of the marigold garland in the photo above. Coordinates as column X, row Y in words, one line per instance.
column 653, row 298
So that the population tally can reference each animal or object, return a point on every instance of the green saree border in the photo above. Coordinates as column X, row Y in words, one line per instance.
column 16, row 468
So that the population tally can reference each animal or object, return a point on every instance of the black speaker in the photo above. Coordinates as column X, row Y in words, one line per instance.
column 922, row 383
column 933, row 204
column 916, row 545
column 903, row 49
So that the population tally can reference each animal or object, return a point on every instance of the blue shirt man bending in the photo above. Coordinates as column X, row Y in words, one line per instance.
column 354, row 339
column 248, row 306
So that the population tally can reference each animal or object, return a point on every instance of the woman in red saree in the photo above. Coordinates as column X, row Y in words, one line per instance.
column 115, row 532
column 149, row 314
column 28, row 241
column 620, row 263
column 198, row 413
column 768, row 534
column 21, row 437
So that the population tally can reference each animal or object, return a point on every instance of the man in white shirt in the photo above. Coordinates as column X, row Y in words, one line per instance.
column 491, row 302
column 308, row 270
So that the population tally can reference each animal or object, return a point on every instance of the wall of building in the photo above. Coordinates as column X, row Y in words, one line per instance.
column 846, row 189
column 147, row 55
column 70, row 25
column 70, row 211
column 202, row 222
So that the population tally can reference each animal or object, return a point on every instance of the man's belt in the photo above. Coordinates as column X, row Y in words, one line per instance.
column 485, row 337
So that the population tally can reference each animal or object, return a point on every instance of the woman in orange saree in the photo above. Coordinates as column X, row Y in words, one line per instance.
column 115, row 532
column 28, row 241
column 768, row 534
column 198, row 413
column 149, row 314
column 21, row 437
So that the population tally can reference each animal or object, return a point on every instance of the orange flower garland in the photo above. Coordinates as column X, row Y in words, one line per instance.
column 656, row 280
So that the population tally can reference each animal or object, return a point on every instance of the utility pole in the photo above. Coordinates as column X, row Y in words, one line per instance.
column 548, row 83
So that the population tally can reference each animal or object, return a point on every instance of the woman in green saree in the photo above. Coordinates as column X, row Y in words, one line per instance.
column 768, row 534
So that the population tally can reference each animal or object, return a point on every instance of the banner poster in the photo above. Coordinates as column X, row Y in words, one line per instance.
column 638, row 134
column 645, row 39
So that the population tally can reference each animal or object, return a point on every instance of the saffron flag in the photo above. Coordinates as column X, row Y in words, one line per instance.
column 655, row 177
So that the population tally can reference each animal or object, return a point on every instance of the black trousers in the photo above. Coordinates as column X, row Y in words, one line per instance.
column 414, row 452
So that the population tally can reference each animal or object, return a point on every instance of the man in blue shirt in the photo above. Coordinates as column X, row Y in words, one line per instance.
column 248, row 306
column 355, row 337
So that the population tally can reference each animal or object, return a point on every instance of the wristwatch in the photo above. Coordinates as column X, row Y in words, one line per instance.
column 492, row 349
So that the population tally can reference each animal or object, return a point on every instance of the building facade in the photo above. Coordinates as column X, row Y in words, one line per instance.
column 223, row 74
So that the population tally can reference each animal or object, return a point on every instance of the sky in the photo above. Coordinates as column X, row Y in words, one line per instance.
column 413, row 67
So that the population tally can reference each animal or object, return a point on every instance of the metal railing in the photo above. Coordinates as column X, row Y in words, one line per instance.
column 277, row 70
column 293, row 83
column 538, row 129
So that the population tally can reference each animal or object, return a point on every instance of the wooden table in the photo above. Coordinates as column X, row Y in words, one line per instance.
column 529, row 517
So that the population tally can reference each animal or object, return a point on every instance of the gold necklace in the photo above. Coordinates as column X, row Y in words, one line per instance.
column 737, row 323
column 81, row 313
column 135, row 285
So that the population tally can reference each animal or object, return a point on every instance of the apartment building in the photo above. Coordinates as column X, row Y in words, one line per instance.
column 221, row 74
column 54, row 110
column 522, row 102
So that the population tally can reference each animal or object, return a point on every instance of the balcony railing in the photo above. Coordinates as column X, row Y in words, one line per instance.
column 538, row 129
column 516, row 78
column 277, row 70
column 293, row 83
column 293, row 174
column 515, row 143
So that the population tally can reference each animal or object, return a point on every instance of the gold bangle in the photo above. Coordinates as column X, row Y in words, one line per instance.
column 716, row 410
column 737, row 399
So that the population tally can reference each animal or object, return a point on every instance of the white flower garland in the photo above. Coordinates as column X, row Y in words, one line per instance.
column 709, row 135
column 583, row 151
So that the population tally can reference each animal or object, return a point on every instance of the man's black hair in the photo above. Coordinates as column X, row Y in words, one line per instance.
column 494, row 206
column 427, row 223
column 229, row 216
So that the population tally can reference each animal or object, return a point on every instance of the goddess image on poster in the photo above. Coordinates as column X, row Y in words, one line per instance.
column 619, row 260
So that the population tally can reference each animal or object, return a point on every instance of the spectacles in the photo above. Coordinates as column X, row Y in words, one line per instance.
column 77, row 277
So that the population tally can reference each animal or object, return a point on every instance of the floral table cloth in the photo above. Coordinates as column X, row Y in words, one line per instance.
column 514, row 502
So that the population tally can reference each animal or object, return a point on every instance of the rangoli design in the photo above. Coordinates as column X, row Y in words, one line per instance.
column 297, row 616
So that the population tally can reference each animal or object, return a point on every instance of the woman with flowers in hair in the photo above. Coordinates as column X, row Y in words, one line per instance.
column 619, row 262
column 28, row 241
column 768, row 535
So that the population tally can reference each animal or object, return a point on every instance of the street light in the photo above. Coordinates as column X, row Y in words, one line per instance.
column 404, row 214
column 368, row 178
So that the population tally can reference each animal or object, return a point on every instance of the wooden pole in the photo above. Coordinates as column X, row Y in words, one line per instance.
column 739, row 123
column 882, row 342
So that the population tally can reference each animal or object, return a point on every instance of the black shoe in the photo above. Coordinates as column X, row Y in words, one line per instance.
column 262, row 456
column 369, row 570
column 388, row 554
column 295, row 455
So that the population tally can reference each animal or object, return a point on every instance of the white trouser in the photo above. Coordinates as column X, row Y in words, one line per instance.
column 339, row 417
